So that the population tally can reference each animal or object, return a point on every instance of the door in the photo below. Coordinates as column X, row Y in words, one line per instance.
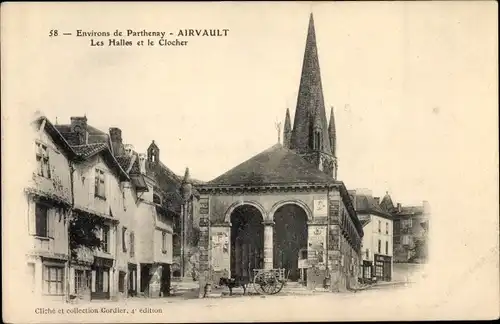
column 387, row 271
column 165, row 280
column 100, row 283
column 132, row 280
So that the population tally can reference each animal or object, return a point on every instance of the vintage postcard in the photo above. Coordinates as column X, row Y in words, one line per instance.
column 246, row 162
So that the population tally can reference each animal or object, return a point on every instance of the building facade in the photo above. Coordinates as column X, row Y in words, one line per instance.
column 132, row 200
column 411, row 226
column 48, row 209
column 377, row 246
column 284, row 207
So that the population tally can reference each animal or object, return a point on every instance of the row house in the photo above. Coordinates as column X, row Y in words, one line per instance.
column 88, row 180
column 48, row 208
column 411, row 225
column 156, row 200
column 377, row 244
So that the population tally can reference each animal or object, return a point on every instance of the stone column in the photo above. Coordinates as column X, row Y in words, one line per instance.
column 268, row 244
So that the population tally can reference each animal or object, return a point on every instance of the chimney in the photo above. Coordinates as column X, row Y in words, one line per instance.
column 79, row 127
column 399, row 207
column 142, row 163
column 116, row 140
column 377, row 199
column 129, row 149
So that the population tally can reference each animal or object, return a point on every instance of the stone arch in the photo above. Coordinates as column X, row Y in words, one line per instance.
column 290, row 236
column 229, row 212
column 296, row 202
column 246, row 238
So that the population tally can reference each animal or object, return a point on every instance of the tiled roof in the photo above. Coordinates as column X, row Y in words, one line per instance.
column 364, row 221
column 367, row 204
column 94, row 135
column 125, row 161
column 88, row 150
column 276, row 165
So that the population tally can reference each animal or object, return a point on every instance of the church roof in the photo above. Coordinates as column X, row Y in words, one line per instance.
column 276, row 165
column 310, row 111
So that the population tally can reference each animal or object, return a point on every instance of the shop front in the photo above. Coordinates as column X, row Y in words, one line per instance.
column 383, row 267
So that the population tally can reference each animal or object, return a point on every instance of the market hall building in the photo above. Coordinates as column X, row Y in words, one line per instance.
column 284, row 208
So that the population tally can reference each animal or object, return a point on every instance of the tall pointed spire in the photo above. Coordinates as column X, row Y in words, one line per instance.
column 287, row 130
column 310, row 117
column 333, row 133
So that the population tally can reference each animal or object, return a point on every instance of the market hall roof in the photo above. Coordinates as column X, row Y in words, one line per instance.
column 276, row 165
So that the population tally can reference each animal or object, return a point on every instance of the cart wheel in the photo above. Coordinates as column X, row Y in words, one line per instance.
column 258, row 281
column 272, row 283
column 278, row 287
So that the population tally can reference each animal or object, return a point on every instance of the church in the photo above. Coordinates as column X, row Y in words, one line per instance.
column 284, row 207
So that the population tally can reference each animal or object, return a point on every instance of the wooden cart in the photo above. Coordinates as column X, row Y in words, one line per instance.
column 268, row 281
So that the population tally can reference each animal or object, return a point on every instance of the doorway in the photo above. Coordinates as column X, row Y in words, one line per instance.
column 247, row 241
column 289, row 238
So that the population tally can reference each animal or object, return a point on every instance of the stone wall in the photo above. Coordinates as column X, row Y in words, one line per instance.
column 343, row 259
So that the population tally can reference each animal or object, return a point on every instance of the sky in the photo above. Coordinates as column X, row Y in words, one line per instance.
column 400, row 77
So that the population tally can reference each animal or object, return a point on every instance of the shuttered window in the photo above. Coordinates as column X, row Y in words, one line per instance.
column 41, row 220
column 132, row 244
column 124, row 239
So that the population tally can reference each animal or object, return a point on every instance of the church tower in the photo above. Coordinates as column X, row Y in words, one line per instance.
column 311, row 136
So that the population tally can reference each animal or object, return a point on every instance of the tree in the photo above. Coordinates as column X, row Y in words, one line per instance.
column 418, row 251
column 83, row 233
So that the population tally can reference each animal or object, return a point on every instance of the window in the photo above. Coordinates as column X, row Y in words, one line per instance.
column 379, row 246
column 121, row 281
column 81, row 281
column 379, row 226
column 132, row 244
column 105, row 238
column 42, row 160
column 397, row 239
column 368, row 272
column 101, row 280
column 53, row 280
column 124, row 239
column 387, row 228
column 42, row 221
column 406, row 239
column 164, row 242
column 386, row 247
column 379, row 269
column 406, row 223
column 100, row 190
